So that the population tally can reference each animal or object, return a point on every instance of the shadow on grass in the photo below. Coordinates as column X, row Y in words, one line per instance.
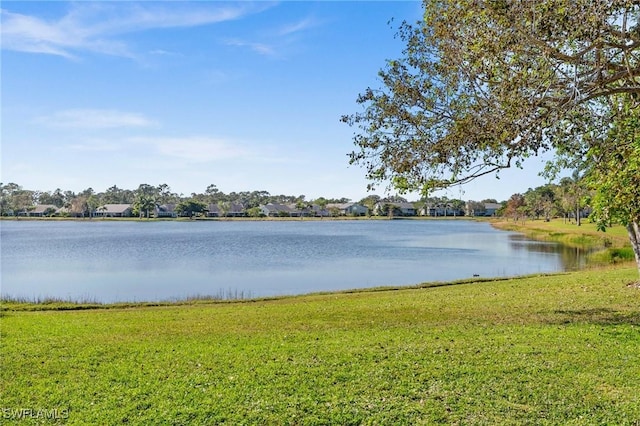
column 598, row 316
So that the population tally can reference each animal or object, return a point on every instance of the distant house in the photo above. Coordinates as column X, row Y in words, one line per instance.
column 317, row 211
column 43, row 210
column 309, row 210
column 441, row 209
column 277, row 210
column 213, row 210
column 166, row 210
column 475, row 208
column 406, row 209
column 114, row 210
column 235, row 210
column 490, row 209
column 397, row 209
column 349, row 209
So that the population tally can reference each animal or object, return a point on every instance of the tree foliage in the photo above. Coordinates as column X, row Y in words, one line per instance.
column 190, row 207
column 615, row 174
column 485, row 84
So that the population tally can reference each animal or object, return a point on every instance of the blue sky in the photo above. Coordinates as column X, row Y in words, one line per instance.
column 243, row 95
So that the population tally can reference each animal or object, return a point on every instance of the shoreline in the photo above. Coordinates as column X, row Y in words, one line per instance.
column 605, row 254
column 10, row 304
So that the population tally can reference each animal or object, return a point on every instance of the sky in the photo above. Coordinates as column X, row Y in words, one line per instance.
column 243, row 95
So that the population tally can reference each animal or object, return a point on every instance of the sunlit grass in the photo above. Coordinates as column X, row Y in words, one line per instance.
column 559, row 349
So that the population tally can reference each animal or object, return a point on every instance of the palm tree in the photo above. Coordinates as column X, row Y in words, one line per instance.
column 300, row 206
column 225, row 208
column 102, row 209
column 144, row 203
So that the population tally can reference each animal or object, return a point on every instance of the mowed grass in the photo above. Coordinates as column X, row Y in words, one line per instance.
column 562, row 349
column 568, row 233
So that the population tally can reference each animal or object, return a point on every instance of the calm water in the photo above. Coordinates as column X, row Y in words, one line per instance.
column 136, row 261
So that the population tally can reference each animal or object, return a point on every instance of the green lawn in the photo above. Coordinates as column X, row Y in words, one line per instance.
column 568, row 233
column 560, row 349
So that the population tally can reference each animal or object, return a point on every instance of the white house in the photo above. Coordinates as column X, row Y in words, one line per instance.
column 402, row 209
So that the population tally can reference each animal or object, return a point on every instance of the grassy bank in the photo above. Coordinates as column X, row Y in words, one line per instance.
column 608, row 247
column 559, row 349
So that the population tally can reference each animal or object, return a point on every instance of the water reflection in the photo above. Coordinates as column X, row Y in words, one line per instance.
column 571, row 258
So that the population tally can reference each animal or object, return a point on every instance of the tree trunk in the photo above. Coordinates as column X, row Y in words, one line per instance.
column 633, row 228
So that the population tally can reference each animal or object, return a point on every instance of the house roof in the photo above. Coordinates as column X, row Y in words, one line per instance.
column 233, row 208
column 41, row 208
column 341, row 206
column 236, row 208
column 167, row 208
column 399, row 205
column 114, row 208
column 495, row 206
column 275, row 207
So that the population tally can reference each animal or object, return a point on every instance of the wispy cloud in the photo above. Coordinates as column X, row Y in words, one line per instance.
column 93, row 146
column 95, row 26
column 299, row 26
column 261, row 48
column 197, row 149
column 275, row 41
column 95, row 119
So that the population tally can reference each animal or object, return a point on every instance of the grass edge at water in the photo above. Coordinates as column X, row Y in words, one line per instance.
column 542, row 349
column 9, row 303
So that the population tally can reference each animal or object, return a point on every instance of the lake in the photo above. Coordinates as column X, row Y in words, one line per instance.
column 110, row 261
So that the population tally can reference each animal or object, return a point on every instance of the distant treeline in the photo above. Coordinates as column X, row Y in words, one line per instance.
column 567, row 199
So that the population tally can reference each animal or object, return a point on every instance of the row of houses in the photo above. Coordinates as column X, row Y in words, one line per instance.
column 283, row 210
column 437, row 210
column 213, row 210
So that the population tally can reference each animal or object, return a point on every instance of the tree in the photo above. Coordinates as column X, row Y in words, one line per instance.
column 115, row 195
column 322, row 204
column 541, row 201
column 225, row 208
column 301, row 206
column 213, row 194
column 92, row 202
column 254, row 212
column 573, row 191
column 394, row 199
column 143, row 204
column 190, row 207
column 516, row 207
column 145, row 199
column 56, row 198
column 6, row 195
column 458, row 206
column 22, row 201
column 165, row 196
column 49, row 211
column 485, row 84
column 616, row 175
column 370, row 202
column 78, row 205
